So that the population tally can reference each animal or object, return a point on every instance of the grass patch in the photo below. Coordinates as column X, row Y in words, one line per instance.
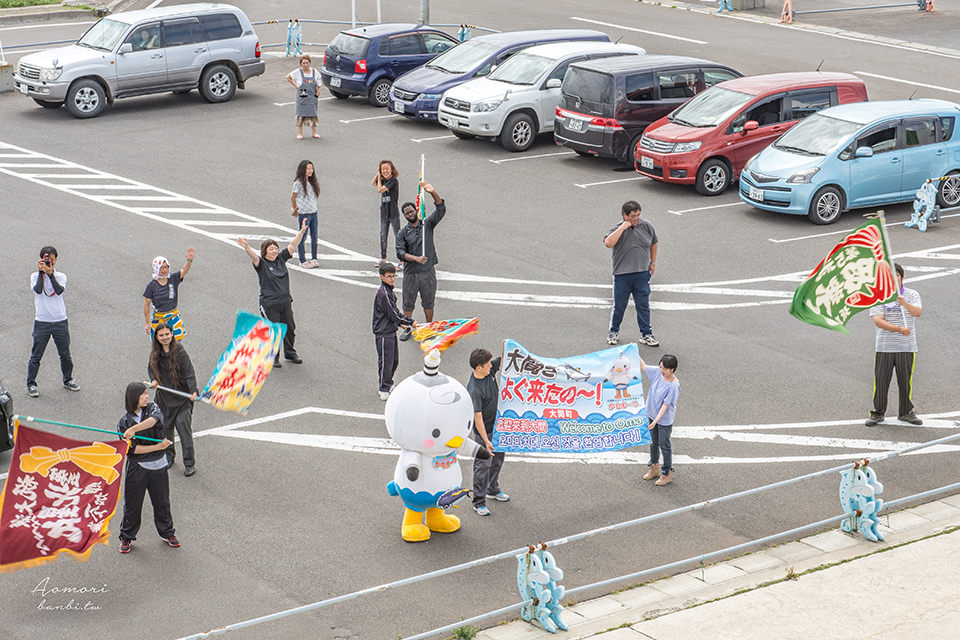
column 11, row 4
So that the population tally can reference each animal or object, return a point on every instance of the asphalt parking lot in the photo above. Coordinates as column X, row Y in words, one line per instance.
column 289, row 505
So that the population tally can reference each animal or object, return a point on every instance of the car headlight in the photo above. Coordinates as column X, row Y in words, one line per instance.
column 750, row 161
column 430, row 96
column 487, row 106
column 686, row 146
column 50, row 74
column 803, row 177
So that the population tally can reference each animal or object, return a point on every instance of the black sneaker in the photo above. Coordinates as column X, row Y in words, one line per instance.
column 912, row 419
column 405, row 335
column 172, row 541
column 189, row 471
column 71, row 384
column 276, row 363
column 125, row 545
column 294, row 358
column 32, row 391
column 873, row 420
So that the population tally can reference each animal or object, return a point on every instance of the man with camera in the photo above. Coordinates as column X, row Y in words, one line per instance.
column 51, row 320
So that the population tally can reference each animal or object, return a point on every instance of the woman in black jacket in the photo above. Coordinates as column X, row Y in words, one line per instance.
column 170, row 367
column 387, row 183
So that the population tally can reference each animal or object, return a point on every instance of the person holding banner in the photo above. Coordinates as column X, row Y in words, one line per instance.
column 634, row 243
column 484, row 393
column 170, row 366
column 276, row 303
column 386, row 319
column 416, row 250
column 388, row 185
column 896, row 350
column 662, row 406
column 161, row 294
column 146, row 469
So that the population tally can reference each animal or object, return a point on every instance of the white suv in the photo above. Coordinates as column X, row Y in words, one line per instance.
column 519, row 99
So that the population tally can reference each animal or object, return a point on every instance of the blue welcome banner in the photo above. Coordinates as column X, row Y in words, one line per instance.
column 589, row 403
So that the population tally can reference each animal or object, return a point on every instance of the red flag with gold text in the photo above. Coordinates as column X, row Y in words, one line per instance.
column 58, row 498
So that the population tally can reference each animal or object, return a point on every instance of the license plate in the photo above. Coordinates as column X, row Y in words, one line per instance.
column 24, row 89
column 575, row 125
column 398, row 106
column 646, row 163
column 334, row 82
column 756, row 194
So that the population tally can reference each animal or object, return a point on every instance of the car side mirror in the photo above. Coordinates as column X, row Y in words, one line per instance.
column 864, row 152
column 126, row 47
column 750, row 125
column 554, row 83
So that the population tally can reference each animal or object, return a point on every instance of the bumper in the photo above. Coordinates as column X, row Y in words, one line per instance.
column 478, row 124
column 251, row 69
column 354, row 84
column 52, row 91
column 417, row 109
column 680, row 168
column 793, row 199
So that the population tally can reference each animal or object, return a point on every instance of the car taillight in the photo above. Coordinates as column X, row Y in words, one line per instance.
column 607, row 123
column 360, row 66
column 258, row 50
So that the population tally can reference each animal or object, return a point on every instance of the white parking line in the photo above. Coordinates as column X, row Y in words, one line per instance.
column 833, row 233
column 594, row 184
column 651, row 33
column 542, row 155
column 433, row 138
column 392, row 115
column 715, row 206
column 154, row 3
column 910, row 82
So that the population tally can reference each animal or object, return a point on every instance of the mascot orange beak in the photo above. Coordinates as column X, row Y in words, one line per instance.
column 454, row 443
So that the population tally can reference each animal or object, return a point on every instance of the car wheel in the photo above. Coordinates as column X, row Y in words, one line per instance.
column 380, row 93
column 338, row 95
column 218, row 84
column 949, row 193
column 462, row 135
column 713, row 177
column 630, row 154
column 85, row 99
column 518, row 133
column 826, row 206
column 48, row 104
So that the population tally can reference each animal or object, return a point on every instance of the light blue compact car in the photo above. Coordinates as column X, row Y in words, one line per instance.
column 857, row 155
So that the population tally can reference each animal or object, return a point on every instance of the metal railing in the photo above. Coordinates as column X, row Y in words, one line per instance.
column 615, row 527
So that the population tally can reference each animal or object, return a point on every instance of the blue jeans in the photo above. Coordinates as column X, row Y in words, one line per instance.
column 624, row 285
column 42, row 332
column 311, row 219
column 660, row 441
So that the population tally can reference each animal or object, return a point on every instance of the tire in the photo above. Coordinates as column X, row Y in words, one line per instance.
column 948, row 195
column 518, row 132
column 48, row 104
column 630, row 155
column 380, row 92
column 713, row 177
column 85, row 99
column 338, row 95
column 825, row 206
column 218, row 83
column 181, row 92
column 462, row 135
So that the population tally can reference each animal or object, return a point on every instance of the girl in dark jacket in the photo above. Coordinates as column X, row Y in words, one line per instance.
column 387, row 184
column 170, row 367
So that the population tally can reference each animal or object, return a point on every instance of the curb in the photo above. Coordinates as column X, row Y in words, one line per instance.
column 60, row 12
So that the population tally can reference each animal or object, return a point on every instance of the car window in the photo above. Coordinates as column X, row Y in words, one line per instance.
column 523, row 69
column 559, row 72
column 946, row 128
column 764, row 114
column 589, row 86
column 716, row 76
column 349, row 45
column 435, row 43
column 805, row 104
column 145, row 37
column 677, row 84
column 463, row 57
column 180, row 32
column 220, row 26
column 639, row 87
column 919, row 132
column 105, row 35
column 880, row 140
column 408, row 44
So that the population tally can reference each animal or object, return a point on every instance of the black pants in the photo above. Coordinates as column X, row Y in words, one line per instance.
column 385, row 224
column 883, row 368
column 282, row 313
column 138, row 482
column 42, row 332
column 486, row 475
column 179, row 419
column 388, row 358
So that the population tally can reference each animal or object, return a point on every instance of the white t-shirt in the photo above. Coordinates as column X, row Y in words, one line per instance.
column 50, row 307
column 297, row 75
column 888, row 341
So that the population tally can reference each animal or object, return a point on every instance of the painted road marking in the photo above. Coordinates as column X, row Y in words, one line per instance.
column 45, row 26
column 845, row 231
column 392, row 115
column 714, row 206
column 433, row 138
column 541, row 155
column 594, row 184
column 651, row 33
column 910, row 82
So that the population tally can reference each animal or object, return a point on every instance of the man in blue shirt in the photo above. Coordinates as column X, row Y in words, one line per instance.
column 661, row 407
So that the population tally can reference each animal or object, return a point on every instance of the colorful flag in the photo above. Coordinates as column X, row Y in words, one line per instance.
column 441, row 334
column 421, row 201
column 856, row 275
column 59, row 497
column 245, row 364
column 578, row 404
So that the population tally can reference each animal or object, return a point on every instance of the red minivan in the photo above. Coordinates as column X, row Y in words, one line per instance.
column 709, row 139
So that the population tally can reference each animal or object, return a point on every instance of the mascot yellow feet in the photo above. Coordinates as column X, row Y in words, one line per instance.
column 413, row 529
column 440, row 522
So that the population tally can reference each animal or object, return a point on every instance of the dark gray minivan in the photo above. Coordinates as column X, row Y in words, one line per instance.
column 607, row 103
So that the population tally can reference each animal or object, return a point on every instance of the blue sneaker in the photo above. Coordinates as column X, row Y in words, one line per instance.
column 482, row 510
column 500, row 497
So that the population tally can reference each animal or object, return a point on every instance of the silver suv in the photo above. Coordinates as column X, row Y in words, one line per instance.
column 210, row 47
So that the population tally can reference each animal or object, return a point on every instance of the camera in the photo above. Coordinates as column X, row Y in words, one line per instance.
column 47, row 262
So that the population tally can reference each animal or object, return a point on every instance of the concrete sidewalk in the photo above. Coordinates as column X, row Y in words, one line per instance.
column 843, row 587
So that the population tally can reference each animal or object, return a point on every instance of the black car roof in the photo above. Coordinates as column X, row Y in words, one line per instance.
column 627, row 64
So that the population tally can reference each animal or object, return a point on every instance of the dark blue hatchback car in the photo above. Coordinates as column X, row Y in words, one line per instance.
column 417, row 94
column 366, row 60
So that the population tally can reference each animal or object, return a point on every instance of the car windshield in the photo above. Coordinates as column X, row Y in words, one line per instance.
column 463, row 57
column 589, row 86
column 710, row 108
column 523, row 68
column 817, row 135
column 349, row 45
column 106, row 35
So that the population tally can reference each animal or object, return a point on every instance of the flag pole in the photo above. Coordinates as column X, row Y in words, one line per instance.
column 177, row 392
column 423, row 245
column 18, row 419
column 893, row 269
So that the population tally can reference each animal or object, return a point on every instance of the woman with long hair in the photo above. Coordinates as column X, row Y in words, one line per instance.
column 303, row 200
column 170, row 367
column 387, row 184
column 146, row 468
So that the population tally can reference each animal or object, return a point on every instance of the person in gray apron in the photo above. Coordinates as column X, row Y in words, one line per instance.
column 306, row 82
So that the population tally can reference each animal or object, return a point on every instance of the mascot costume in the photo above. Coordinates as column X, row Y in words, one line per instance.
column 429, row 416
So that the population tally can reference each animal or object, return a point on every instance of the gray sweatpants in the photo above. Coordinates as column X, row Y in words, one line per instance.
column 486, row 476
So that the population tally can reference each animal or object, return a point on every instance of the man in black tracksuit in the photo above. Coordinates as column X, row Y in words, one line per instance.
column 386, row 319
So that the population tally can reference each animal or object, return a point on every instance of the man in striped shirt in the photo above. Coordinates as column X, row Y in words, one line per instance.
column 896, row 351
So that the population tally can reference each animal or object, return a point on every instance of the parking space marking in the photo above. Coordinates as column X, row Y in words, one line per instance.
column 715, row 206
column 650, row 33
column 433, row 138
column 833, row 233
column 910, row 82
column 594, row 184
column 390, row 115
column 541, row 155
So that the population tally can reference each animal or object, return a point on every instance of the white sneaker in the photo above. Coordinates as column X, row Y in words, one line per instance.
column 384, row 395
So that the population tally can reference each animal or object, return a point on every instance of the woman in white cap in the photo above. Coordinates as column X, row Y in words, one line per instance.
column 161, row 295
